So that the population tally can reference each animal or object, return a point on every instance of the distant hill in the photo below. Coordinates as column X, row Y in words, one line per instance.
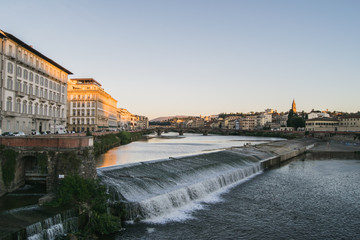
column 160, row 119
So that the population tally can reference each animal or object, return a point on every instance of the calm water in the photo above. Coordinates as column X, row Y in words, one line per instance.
column 172, row 145
column 306, row 199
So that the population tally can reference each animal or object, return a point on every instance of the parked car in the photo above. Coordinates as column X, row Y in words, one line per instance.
column 7, row 134
column 35, row 133
column 19, row 134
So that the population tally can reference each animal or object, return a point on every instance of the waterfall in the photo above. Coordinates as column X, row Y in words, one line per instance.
column 155, row 189
column 53, row 227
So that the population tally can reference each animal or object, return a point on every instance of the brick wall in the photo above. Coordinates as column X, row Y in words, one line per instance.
column 48, row 141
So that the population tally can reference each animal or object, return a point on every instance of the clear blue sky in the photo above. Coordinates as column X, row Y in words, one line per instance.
column 168, row 57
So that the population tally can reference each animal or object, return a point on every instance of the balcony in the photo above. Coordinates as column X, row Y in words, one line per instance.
column 32, row 97
column 19, row 93
column 11, row 114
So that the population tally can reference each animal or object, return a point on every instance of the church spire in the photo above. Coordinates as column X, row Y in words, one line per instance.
column 293, row 106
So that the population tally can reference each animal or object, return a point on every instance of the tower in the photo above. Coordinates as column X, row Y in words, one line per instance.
column 293, row 106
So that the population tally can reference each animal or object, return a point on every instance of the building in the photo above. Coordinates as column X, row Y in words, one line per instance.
column 33, row 90
column 90, row 107
column 349, row 123
column 293, row 106
column 247, row 122
column 322, row 124
column 317, row 114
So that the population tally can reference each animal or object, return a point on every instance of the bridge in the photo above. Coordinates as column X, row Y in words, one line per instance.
column 44, row 159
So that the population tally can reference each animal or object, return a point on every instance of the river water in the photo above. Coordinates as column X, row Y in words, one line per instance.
column 305, row 199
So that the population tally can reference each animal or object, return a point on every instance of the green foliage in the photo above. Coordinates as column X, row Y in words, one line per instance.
column 77, row 190
column 295, row 121
column 91, row 198
column 106, row 142
column 125, row 137
column 8, row 165
column 88, row 133
column 103, row 223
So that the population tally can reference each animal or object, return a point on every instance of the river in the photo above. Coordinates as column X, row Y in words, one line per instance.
column 305, row 199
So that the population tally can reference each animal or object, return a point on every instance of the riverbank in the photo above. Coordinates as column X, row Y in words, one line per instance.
column 276, row 153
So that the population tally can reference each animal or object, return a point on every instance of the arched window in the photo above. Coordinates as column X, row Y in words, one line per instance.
column 18, row 105
column 24, row 110
column 45, row 110
column 50, row 111
column 36, row 108
column 9, row 104
column 31, row 76
column 9, row 83
column 30, row 108
column 41, row 112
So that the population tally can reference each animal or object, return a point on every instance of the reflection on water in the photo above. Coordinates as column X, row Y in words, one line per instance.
column 172, row 145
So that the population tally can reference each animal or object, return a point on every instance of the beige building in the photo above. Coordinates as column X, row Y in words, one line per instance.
column 90, row 107
column 33, row 89
column 322, row 124
column 349, row 123
column 248, row 122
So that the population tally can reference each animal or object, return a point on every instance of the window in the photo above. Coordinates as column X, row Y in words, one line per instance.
column 41, row 81
column 31, row 76
column 26, row 74
column 9, row 104
column 41, row 92
column 88, row 104
column 36, row 108
column 63, row 89
column 74, row 112
column 10, row 50
column 10, row 68
column 46, row 94
column 37, row 79
column 9, row 83
column 26, row 58
column 46, row 82
column 25, row 88
column 62, row 113
column 50, row 111
column 18, row 86
column 78, row 104
column 74, row 104
column 37, row 91
column 30, row 108
column 31, row 89
column 24, row 110
column 18, row 106
column 45, row 110
column 41, row 109
column 19, row 71
column 50, row 84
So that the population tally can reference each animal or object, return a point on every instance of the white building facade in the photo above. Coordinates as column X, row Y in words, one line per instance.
column 33, row 88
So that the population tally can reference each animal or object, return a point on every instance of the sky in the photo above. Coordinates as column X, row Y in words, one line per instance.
column 191, row 57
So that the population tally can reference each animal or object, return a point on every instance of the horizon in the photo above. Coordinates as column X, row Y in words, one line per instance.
column 202, row 58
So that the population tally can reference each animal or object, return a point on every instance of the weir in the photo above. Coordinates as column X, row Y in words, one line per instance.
column 155, row 189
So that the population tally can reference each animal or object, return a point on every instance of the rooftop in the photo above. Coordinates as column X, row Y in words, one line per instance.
column 6, row 35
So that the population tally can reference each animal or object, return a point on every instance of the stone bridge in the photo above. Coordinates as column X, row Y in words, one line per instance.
column 44, row 159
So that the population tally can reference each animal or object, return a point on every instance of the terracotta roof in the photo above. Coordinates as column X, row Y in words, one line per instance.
column 29, row 48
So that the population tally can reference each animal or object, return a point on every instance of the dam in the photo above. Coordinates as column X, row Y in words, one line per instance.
column 155, row 189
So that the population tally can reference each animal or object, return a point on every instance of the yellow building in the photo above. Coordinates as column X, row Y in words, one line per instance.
column 90, row 107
